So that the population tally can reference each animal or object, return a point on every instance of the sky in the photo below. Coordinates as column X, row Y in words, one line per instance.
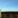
column 9, row 5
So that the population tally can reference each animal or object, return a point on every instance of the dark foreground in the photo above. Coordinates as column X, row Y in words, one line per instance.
column 9, row 14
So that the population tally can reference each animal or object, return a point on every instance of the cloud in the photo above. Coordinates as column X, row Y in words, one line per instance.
column 3, row 9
